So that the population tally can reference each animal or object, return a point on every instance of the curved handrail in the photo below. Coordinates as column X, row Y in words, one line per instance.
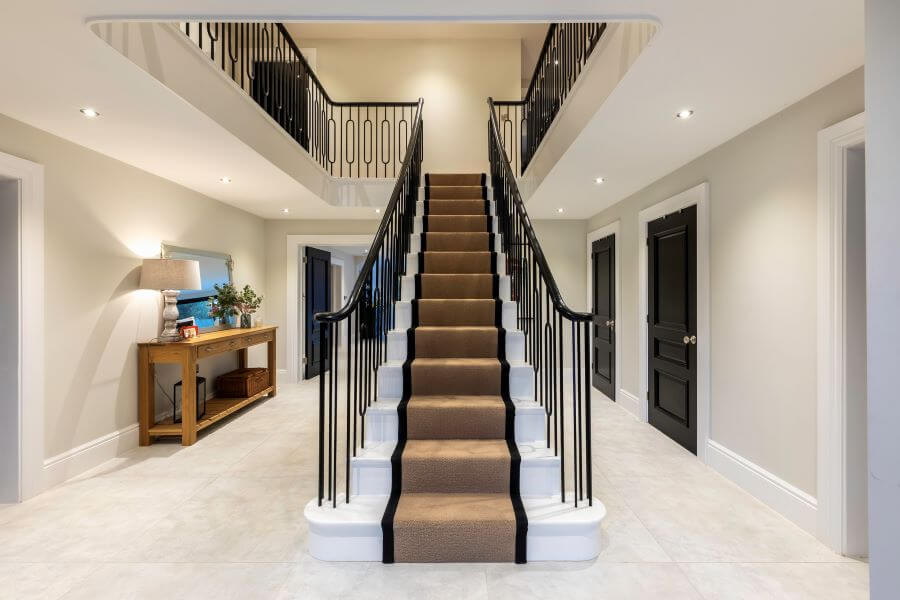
column 372, row 256
column 558, row 302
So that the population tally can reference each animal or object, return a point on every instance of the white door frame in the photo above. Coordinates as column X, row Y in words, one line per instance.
column 833, row 144
column 31, row 321
column 699, row 196
column 295, row 289
column 599, row 234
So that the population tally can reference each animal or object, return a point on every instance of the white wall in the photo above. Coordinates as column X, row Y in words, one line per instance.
column 101, row 217
column 9, row 341
column 276, row 233
column 455, row 77
column 762, row 277
column 883, row 256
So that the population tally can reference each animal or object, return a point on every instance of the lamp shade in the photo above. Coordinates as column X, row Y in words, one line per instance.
column 170, row 274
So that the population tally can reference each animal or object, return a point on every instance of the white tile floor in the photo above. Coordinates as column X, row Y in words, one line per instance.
column 223, row 519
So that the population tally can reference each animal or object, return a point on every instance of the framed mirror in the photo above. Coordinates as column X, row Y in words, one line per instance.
column 215, row 268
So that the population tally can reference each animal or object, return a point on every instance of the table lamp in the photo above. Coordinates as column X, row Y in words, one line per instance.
column 170, row 275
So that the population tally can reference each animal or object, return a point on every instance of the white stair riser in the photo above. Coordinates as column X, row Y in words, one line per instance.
column 538, row 477
column 382, row 422
column 396, row 345
column 417, row 225
column 408, row 287
column 352, row 532
column 412, row 263
column 403, row 313
column 521, row 381
column 415, row 243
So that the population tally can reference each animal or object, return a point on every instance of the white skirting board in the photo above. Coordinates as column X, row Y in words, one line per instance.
column 76, row 461
column 630, row 402
column 791, row 502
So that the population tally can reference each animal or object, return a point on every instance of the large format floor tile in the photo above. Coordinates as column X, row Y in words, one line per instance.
column 224, row 519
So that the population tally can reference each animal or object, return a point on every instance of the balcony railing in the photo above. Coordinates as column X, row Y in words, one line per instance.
column 522, row 124
column 348, row 139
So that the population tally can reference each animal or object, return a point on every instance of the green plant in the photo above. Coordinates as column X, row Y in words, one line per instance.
column 248, row 301
column 226, row 301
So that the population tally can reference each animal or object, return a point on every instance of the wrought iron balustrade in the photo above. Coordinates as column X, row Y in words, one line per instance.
column 348, row 387
column 522, row 124
column 348, row 139
column 557, row 339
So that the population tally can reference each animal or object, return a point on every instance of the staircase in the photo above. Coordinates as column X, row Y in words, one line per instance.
column 454, row 464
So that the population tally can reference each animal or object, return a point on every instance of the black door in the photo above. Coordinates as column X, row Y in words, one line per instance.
column 318, row 299
column 603, row 275
column 672, row 325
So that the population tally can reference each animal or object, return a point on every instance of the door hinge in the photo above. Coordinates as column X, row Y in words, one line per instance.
column 304, row 260
column 303, row 362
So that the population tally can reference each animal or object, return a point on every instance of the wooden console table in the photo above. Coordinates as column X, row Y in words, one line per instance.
column 186, row 353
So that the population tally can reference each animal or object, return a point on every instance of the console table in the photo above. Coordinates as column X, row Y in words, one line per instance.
column 186, row 353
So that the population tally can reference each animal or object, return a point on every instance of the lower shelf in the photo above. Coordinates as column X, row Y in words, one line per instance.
column 216, row 410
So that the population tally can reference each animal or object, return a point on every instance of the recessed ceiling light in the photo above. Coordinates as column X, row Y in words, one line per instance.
column 599, row 180
column 683, row 114
column 285, row 211
column 225, row 179
column 90, row 113
column 377, row 210
column 559, row 210
column 556, row 62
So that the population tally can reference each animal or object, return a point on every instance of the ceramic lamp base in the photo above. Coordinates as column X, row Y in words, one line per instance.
column 170, row 316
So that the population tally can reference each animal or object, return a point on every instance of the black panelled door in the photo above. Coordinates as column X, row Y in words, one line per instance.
column 672, row 325
column 603, row 308
column 318, row 299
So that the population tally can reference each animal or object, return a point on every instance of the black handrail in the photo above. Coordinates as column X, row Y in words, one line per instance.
column 541, row 314
column 528, row 229
column 368, row 315
column 348, row 139
column 566, row 49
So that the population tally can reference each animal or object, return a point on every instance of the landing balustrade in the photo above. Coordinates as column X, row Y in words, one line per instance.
column 348, row 139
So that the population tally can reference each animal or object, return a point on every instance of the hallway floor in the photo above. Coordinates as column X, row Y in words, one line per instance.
column 223, row 519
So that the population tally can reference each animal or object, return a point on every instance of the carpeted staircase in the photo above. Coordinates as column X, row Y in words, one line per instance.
column 455, row 470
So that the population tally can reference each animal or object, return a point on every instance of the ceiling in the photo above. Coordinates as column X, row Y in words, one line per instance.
column 735, row 62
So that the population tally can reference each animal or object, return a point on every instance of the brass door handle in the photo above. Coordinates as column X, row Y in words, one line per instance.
column 692, row 339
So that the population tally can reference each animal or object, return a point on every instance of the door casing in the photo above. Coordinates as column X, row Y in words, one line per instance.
column 699, row 196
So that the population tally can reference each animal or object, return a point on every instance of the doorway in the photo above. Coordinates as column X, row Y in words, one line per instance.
column 842, row 485
column 603, row 311
column 10, row 319
column 672, row 325
column 674, row 373
column 317, row 275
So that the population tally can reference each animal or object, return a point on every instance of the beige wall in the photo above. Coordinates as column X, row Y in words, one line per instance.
column 276, row 263
column 102, row 216
column 762, row 278
column 455, row 77
column 563, row 243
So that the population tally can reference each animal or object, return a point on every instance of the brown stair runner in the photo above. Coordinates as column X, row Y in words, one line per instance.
column 455, row 490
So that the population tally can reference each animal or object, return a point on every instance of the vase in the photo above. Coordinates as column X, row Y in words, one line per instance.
column 246, row 320
column 226, row 322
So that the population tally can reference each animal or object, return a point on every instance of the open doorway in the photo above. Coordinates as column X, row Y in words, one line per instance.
column 326, row 277
column 842, row 502
column 10, row 323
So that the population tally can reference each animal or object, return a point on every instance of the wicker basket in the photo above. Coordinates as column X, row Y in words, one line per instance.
column 242, row 383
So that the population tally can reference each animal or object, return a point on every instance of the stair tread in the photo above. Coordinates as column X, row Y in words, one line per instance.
column 456, row 449
column 454, row 400
column 453, row 362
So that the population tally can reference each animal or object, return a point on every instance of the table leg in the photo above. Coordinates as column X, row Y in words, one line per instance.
column 271, row 364
column 242, row 358
column 188, row 400
column 146, row 396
